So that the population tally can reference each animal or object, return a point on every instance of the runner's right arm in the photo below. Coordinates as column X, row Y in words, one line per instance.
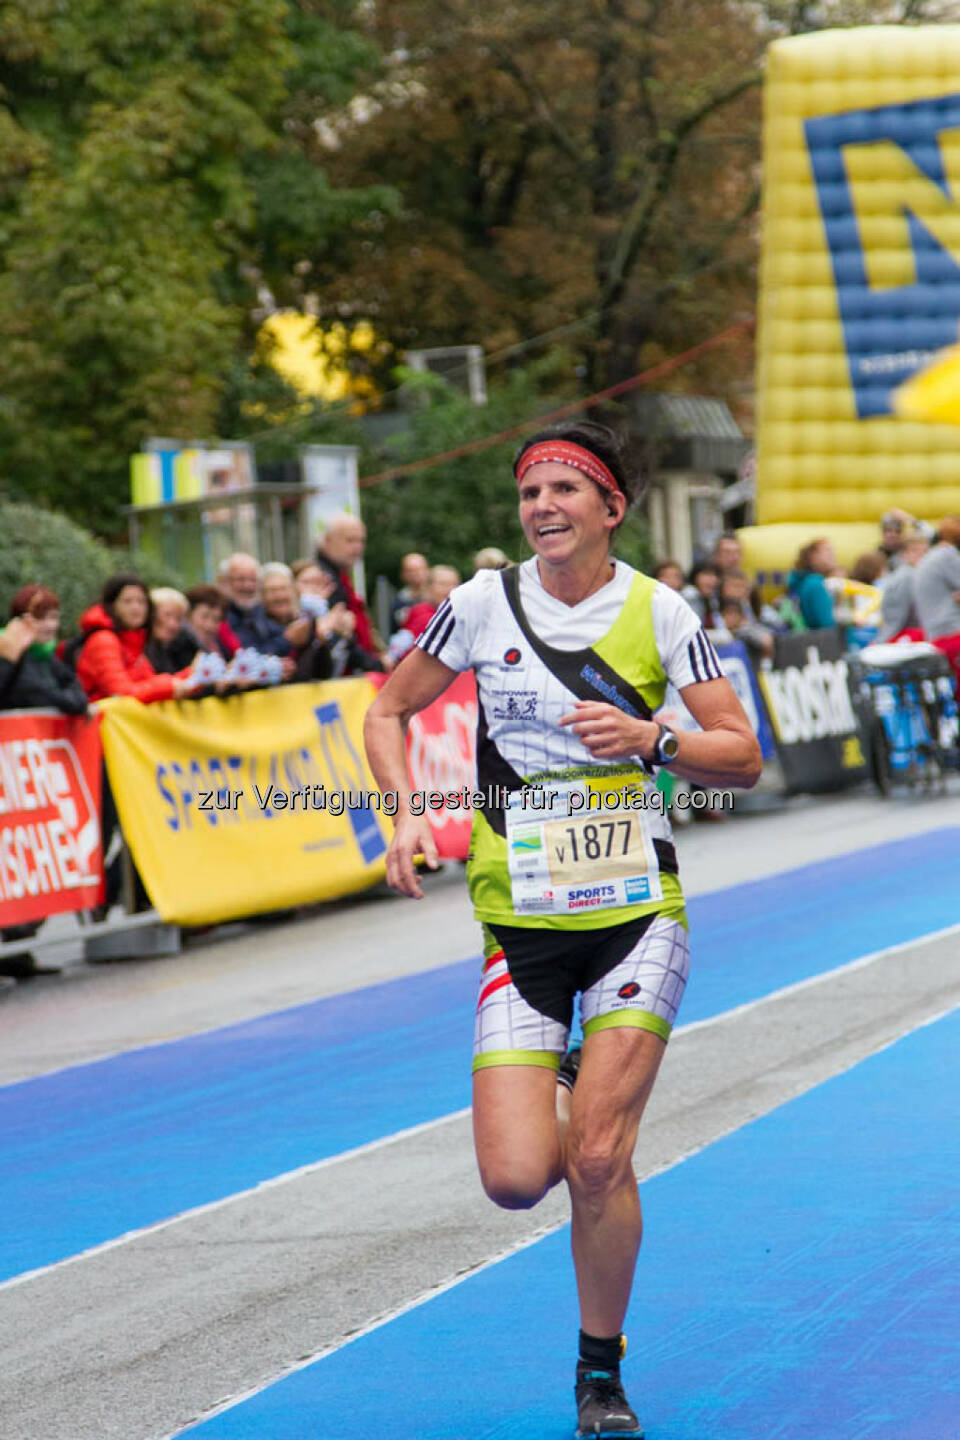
column 417, row 681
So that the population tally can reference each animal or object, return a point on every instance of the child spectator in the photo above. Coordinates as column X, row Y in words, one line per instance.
column 669, row 572
column 757, row 638
column 869, row 568
column 205, row 622
column 700, row 593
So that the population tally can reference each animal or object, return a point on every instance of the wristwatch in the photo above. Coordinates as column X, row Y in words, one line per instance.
column 666, row 748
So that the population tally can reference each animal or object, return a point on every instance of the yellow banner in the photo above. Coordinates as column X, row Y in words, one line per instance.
column 248, row 803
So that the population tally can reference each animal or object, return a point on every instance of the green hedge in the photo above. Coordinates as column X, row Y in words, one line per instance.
column 39, row 547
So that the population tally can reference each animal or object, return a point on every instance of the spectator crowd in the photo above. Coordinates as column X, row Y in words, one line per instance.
column 908, row 588
column 273, row 624
column 259, row 625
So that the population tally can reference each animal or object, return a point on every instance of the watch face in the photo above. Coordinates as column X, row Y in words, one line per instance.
column 669, row 745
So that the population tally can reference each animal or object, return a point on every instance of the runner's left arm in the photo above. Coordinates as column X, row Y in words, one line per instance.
column 723, row 752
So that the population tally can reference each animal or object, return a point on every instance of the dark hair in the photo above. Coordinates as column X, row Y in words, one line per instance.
column 703, row 567
column 601, row 441
column 868, row 568
column 206, row 595
column 806, row 553
column 112, row 588
column 662, row 565
column 34, row 600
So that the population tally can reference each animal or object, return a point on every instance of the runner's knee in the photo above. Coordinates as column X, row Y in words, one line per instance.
column 514, row 1189
column 595, row 1166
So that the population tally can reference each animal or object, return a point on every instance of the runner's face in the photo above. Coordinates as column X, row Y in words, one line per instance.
column 564, row 515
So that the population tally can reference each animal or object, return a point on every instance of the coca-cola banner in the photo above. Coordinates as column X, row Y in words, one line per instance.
column 51, row 855
column 809, row 699
column 442, row 756
column 442, row 760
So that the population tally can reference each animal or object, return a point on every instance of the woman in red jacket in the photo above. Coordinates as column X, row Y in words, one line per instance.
column 112, row 661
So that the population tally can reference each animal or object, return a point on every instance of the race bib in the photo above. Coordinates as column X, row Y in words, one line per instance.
column 583, row 845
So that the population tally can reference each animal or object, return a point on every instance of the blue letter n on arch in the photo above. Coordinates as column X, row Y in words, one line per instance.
column 888, row 183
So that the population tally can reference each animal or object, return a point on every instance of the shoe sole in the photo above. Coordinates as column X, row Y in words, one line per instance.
column 608, row 1435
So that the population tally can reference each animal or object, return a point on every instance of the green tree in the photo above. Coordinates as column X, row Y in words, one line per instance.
column 158, row 170
column 451, row 510
column 591, row 165
column 40, row 548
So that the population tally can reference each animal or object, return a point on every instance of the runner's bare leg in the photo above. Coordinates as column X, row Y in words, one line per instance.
column 617, row 1073
column 516, row 1133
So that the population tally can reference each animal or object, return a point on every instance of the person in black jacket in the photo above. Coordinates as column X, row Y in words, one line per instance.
column 246, row 614
column 31, row 676
column 170, row 647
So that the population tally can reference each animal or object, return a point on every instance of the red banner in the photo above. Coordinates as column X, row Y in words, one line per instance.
column 51, row 850
column 442, row 759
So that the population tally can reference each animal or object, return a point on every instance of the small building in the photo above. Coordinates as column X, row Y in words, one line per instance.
column 695, row 454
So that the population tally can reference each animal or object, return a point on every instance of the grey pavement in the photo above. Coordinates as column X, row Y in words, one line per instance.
column 138, row 1340
column 135, row 1341
column 241, row 971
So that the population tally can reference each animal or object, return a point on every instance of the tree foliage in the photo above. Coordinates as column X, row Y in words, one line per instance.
column 158, row 168
column 40, row 548
column 518, row 174
column 450, row 511
column 593, row 166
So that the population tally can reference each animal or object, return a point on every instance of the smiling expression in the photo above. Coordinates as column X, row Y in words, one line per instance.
column 564, row 515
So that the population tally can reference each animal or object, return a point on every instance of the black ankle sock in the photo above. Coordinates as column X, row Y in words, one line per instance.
column 602, row 1354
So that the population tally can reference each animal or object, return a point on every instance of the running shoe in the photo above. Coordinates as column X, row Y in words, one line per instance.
column 602, row 1408
column 569, row 1068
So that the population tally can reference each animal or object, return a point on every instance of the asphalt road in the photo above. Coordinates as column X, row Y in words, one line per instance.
column 135, row 1339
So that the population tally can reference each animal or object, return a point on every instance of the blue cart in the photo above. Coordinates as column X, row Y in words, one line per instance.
column 908, row 711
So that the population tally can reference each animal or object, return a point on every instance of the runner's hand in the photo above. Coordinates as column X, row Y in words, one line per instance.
column 610, row 734
column 412, row 836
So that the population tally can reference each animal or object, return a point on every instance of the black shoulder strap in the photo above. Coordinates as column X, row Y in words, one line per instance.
column 584, row 672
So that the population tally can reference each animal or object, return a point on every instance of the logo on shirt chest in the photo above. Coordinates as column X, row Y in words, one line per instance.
column 514, row 705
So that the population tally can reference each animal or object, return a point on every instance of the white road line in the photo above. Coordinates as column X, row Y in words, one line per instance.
column 211, row 1205
column 399, row 1135
column 537, row 1236
column 811, row 980
column 174, row 1039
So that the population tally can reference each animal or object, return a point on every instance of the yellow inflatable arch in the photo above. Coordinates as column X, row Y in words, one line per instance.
column 860, row 283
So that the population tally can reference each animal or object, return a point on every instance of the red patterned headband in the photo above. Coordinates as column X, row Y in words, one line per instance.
column 563, row 452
